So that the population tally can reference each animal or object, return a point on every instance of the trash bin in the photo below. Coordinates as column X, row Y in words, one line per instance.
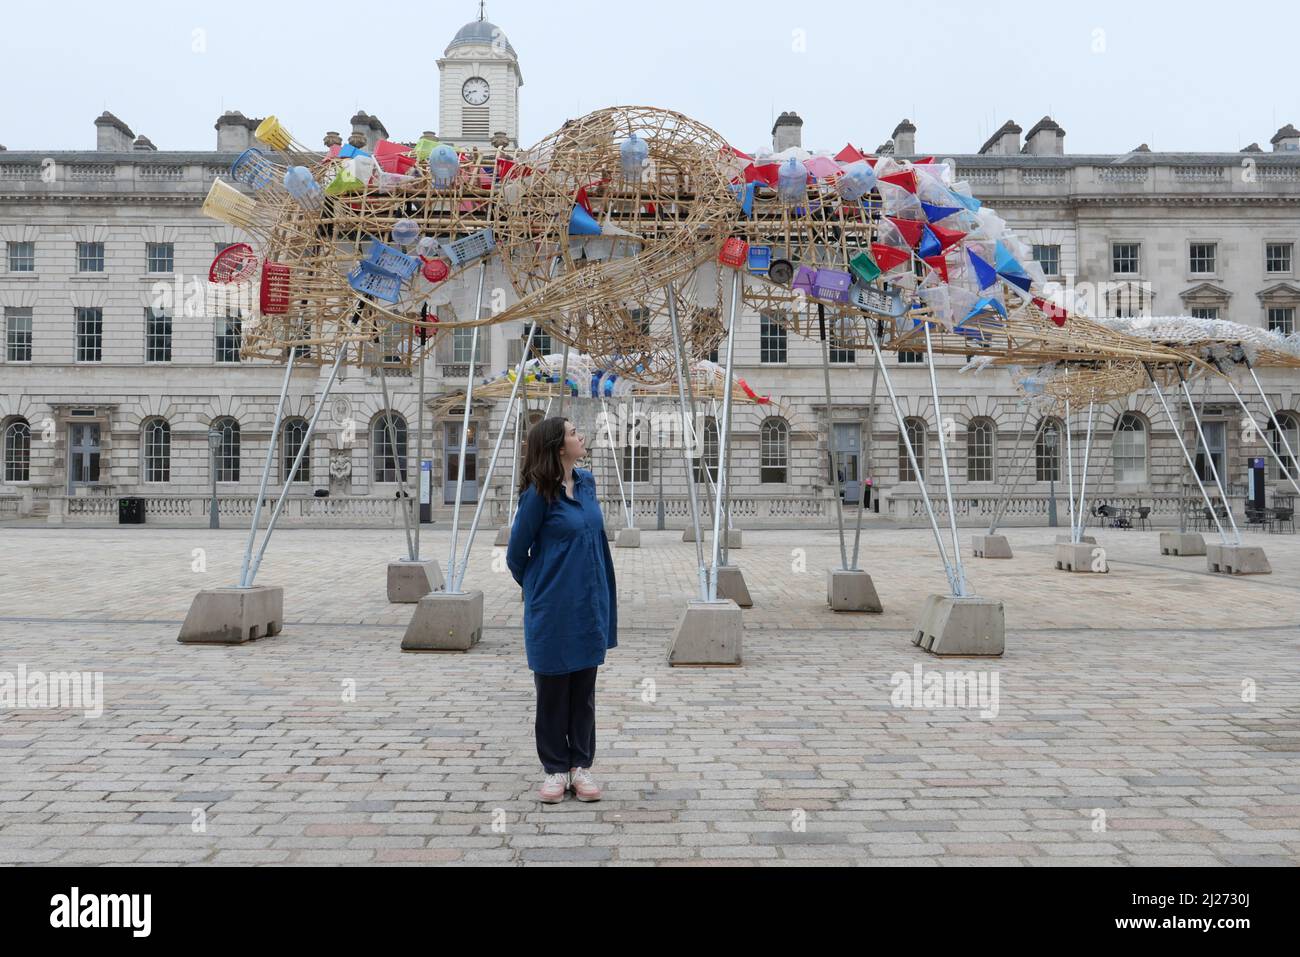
column 130, row 511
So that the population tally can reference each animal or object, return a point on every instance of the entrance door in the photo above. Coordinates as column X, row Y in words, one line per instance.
column 451, row 463
column 848, row 459
column 83, row 457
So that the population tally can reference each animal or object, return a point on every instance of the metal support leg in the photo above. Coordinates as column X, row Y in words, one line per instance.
column 916, row 469
column 404, row 499
column 464, row 431
column 1214, row 469
column 613, row 452
column 960, row 573
column 683, row 373
column 492, row 465
column 724, row 441
column 1009, row 492
column 1191, row 463
column 1281, row 432
column 1083, row 476
column 266, row 471
column 302, row 451
column 1069, row 467
column 867, row 456
column 830, row 438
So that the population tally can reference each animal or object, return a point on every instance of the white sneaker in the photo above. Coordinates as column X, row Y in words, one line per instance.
column 553, row 788
column 584, row 786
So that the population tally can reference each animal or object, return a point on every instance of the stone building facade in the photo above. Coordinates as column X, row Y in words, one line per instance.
column 101, row 395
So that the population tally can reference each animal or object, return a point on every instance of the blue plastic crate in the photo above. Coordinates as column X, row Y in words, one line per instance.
column 392, row 260
column 372, row 281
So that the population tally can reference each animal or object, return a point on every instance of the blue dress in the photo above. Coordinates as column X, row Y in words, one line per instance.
column 559, row 554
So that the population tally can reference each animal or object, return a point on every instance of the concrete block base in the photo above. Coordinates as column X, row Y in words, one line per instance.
column 233, row 616
column 444, row 622
column 1067, row 540
column 689, row 534
column 1237, row 560
column 732, row 587
column 1182, row 543
column 734, row 537
column 628, row 538
column 709, row 634
column 991, row 546
column 851, row 591
column 503, row 536
column 962, row 627
column 1081, row 558
column 410, row 581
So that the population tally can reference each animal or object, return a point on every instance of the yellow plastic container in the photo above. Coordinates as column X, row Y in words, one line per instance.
column 229, row 205
column 272, row 134
column 423, row 147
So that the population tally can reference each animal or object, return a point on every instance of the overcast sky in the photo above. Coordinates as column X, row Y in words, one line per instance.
column 1185, row 76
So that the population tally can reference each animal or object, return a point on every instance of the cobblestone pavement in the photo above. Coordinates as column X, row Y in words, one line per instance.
column 1148, row 716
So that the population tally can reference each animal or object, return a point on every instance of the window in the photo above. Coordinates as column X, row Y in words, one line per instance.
column 907, row 358
column 542, row 344
column 1205, row 312
column 1281, row 319
column 1277, row 257
column 461, row 341
column 771, row 339
column 157, row 445
column 640, row 320
column 90, row 257
column 160, row 257
column 713, row 355
column 18, row 451
column 842, row 352
column 914, row 434
column 1124, row 258
column 18, row 334
column 1049, row 258
column 980, row 438
column 157, row 335
column 1047, row 453
column 774, row 452
column 22, row 257
column 1202, row 258
column 706, row 465
column 392, row 343
column 219, row 248
column 386, row 459
column 1216, row 438
column 635, row 440
column 293, row 437
column 229, row 336
column 1129, row 449
column 90, row 334
column 228, row 451
column 1289, row 434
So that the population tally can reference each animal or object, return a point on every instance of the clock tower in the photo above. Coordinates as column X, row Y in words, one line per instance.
column 478, row 86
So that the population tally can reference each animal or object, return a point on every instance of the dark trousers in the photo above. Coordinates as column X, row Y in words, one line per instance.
column 566, row 720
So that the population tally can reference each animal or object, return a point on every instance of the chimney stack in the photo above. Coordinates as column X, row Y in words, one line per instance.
column 1286, row 140
column 1005, row 142
column 369, row 127
column 112, row 135
column 1045, row 139
column 143, row 142
column 332, row 139
column 234, row 132
column 787, row 132
column 904, row 139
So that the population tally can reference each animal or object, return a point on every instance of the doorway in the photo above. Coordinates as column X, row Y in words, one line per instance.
column 451, row 463
column 83, row 457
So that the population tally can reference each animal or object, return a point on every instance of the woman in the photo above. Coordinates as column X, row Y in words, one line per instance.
column 559, row 554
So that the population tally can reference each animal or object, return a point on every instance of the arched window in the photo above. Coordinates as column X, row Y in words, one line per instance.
column 156, row 443
column 916, row 435
column 708, row 459
column 1047, row 452
column 228, row 450
column 387, row 459
column 1130, row 449
column 981, row 448
column 292, row 438
column 18, row 451
column 1290, row 423
column 774, row 451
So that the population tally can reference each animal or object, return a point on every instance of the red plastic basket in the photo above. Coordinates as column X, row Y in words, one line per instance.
column 436, row 271
column 235, row 263
column 735, row 253
column 275, row 289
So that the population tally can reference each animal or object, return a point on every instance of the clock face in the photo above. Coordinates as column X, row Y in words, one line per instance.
column 475, row 91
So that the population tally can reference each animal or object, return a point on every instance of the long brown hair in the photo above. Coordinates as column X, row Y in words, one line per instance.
column 542, row 458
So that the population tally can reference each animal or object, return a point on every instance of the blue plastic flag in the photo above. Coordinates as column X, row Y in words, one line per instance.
column 987, row 275
column 1008, row 263
column 937, row 214
column 930, row 245
column 581, row 223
